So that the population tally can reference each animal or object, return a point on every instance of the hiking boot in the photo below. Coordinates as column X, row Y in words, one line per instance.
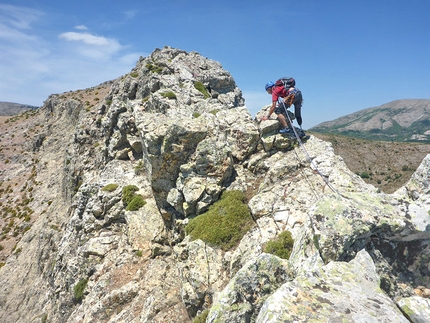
column 285, row 130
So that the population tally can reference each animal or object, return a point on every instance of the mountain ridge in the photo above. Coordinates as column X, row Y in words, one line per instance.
column 406, row 120
column 11, row 108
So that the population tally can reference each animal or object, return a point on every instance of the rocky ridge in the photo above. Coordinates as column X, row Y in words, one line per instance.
column 176, row 128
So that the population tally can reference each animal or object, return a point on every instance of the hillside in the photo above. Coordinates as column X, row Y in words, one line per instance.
column 11, row 109
column 386, row 165
column 399, row 121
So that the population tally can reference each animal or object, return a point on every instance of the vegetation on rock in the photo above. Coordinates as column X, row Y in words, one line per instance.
column 170, row 95
column 202, row 317
column 281, row 246
column 110, row 187
column 225, row 223
column 202, row 89
column 79, row 289
column 132, row 201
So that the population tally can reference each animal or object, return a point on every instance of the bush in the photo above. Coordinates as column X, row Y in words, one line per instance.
column 202, row 317
column 154, row 68
column 202, row 89
column 132, row 201
column 170, row 95
column 139, row 168
column 225, row 223
column 78, row 290
column 110, row 187
column 128, row 193
column 281, row 246
column 136, row 203
column 364, row 175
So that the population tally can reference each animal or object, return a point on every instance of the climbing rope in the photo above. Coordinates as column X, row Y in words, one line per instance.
column 289, row 100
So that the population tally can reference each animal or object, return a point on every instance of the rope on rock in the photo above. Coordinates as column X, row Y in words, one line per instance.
column 289, row 100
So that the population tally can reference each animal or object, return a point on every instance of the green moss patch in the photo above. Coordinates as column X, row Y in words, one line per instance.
column 281, row 246
column 78, row 290
column 170, row 95
column 202, row 317
column 132, row 200
column 225, row 223
column 202, row 89
column 110, row 187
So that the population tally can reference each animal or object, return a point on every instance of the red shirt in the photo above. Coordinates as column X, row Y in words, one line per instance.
column 278, row 91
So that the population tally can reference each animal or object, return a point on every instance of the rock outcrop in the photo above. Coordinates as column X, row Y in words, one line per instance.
column 176, row 132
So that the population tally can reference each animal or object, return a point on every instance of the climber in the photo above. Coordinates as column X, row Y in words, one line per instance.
column 278, row 90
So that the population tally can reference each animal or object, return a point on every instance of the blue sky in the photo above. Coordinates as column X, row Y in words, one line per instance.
column 345, row 55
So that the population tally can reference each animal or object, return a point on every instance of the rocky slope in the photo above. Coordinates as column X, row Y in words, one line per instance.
column 400, row 120
column 176, row 129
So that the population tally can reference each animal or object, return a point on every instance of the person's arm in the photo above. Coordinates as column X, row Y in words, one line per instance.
column 272, row 108
column 275, row 97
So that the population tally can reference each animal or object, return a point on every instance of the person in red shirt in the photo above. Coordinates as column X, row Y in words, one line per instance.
column 280, row 92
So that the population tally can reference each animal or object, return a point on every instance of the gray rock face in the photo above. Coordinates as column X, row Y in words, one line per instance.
column 338, row 292
column 176, row 129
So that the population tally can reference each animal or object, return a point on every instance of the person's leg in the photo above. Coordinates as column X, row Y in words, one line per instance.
column 282, row 120
column 298, row 108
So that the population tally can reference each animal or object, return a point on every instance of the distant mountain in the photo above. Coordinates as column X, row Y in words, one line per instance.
column 11, row 109
column 400, row 120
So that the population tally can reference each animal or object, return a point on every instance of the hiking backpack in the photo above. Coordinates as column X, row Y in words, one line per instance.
column 286, row 82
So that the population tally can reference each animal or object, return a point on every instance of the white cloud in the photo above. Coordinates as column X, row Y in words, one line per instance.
column 95, row 47
column 18, row 17
column 34, row 65
column 87, row 38
column 81, row 27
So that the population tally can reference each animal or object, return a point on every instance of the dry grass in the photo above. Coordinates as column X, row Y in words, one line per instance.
column 386, row 165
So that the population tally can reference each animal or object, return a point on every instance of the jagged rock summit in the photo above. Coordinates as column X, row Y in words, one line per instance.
column 170, row 139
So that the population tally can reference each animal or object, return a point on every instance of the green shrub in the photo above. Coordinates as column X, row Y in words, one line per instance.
column 132, row 201
column 196, row 114
column 78, row 290
column 202, row 317
column 139, row 168
column 202, row 89
column 134, row 74
column 128, row 193
column 136, row 203
column 225, row 223
column 154, row 68
column 170, row 95
column 110, row 187
column 281, row 246
column 364, row 175
column 214, row 112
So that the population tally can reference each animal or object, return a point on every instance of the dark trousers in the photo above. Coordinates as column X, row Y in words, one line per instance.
column 298, row 99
